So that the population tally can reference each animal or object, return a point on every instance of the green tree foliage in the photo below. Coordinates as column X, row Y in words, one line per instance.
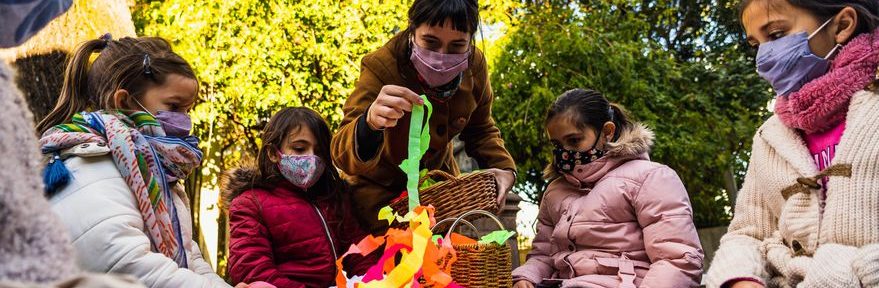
column 255, row 57
column 677, row 66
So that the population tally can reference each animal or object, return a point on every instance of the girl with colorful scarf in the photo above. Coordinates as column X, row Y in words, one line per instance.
column 118, row 144
column 807, row 212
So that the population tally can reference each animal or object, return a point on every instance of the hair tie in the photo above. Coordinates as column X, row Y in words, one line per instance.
column 610, row 113
column 147, row 65
column 105, row 39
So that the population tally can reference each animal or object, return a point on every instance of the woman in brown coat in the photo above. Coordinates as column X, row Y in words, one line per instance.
column 435, row 57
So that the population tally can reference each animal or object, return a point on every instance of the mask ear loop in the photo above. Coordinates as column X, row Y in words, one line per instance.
column 820, row 28
column 142, row 107
column 834, row 50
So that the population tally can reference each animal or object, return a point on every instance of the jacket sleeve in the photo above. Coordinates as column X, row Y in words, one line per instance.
column 663, row 210
column 117, row 244
column 739, row 255
column 200, row 266
column 539, row 264
column 344, row 145
column 836, row 265
column 250, row 250
column 482, row 139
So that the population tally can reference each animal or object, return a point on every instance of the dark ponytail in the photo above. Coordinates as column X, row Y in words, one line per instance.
column 589, row 109
column 620, row 119
column 74, row 93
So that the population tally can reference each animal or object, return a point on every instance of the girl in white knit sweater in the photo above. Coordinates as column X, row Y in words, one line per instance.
column 808, row 212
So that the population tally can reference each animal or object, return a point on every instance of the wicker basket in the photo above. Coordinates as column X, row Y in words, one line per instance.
column 480, row 265
column 454, row 196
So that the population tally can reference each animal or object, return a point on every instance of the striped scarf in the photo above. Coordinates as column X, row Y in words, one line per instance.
column 148, row 161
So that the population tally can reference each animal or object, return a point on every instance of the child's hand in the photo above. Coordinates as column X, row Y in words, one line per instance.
column 523, row 284
column 390, row 105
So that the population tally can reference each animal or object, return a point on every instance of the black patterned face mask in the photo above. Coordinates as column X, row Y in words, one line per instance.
column 566, row 160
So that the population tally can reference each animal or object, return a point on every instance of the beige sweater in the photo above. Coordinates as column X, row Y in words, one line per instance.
column 786, row 243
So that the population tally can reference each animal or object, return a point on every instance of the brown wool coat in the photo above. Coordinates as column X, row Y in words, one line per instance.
column 466, row 114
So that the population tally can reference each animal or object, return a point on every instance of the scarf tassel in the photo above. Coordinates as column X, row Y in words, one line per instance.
column 55, row 175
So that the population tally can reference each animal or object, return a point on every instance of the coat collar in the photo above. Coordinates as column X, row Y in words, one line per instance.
column 633, row 143
column 789, row 144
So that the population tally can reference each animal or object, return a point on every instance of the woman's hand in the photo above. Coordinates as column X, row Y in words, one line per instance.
column 390, row 105
column 505, row 180
column 523, row 284
column 746, row 284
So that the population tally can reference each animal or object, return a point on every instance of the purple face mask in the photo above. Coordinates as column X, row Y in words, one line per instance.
column 437, row 68
column 788, row 63
column 175, row 124
column 302, row 171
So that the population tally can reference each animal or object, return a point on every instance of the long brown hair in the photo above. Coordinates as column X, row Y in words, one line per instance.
column 330, row 184
column 132, row 64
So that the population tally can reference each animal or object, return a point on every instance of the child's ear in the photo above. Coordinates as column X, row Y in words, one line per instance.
column 120, row 99
column 609, row 130
column 273, row 154
column 846, row 24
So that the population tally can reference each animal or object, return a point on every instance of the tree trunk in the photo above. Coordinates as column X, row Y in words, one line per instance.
column 729, row 183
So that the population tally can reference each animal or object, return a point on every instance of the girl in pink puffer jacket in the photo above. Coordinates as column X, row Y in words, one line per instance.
column 610, row 217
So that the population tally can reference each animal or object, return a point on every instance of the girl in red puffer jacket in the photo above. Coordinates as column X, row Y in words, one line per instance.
column 288, row 217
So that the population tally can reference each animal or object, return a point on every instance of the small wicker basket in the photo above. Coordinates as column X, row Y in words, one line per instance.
column 480, row 265
column 454, row 196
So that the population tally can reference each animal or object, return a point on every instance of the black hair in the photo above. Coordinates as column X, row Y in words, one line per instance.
column 589, row 109
column 464, row 16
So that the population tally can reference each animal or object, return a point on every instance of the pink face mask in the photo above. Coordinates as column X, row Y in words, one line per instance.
column 302, row 171
column 436, row 68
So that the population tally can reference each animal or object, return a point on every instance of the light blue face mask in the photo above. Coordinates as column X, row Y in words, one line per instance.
column 788, row 63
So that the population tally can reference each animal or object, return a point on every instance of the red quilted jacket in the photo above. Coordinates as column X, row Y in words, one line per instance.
column 278, row 236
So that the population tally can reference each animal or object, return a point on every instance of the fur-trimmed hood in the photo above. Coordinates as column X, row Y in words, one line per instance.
column 234, row 182
column 635, row 140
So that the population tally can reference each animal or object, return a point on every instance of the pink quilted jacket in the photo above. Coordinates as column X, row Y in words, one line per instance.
column 622, row 221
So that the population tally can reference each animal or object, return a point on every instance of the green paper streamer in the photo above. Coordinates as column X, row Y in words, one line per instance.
column 419, row 140
column 498, row 237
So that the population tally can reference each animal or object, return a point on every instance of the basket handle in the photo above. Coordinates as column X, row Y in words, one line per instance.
column 438, row 175
column 474, row 212
column 447, row 220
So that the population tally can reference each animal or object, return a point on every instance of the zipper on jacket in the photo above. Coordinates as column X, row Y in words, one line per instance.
column 326, row 229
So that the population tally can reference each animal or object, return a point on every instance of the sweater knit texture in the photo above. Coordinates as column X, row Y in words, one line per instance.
column 786, row 242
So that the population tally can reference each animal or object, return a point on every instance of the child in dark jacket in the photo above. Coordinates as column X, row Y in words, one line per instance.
column 289, row 218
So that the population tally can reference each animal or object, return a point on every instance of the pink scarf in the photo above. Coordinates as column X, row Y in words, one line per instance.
column 822, row 103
